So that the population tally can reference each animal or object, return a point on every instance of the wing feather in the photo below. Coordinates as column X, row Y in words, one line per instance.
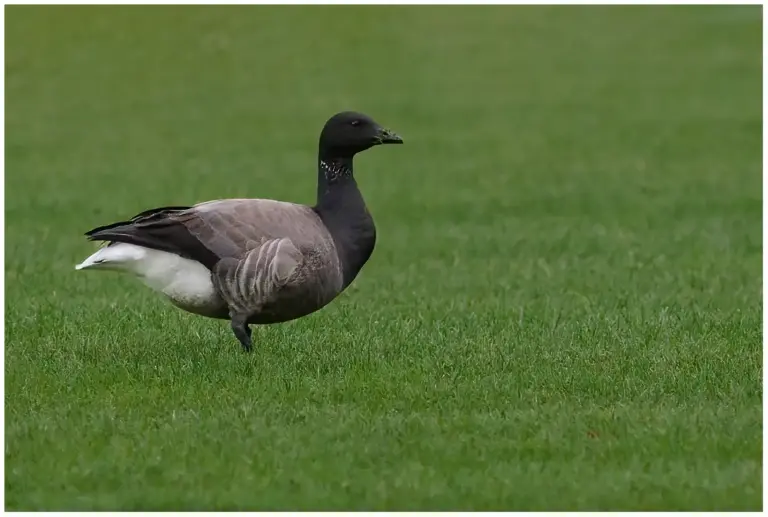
column 214, row 230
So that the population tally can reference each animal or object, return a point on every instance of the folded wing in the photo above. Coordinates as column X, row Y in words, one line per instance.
column 214, row 230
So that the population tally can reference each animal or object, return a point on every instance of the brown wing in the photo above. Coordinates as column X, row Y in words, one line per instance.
column 157, row 229
column 213, row 230
column 232, row 227
column 275, row 256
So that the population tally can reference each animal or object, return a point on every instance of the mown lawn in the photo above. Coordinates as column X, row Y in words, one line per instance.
column 563, row 310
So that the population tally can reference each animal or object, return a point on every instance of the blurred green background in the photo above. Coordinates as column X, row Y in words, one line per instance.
column 563, row 310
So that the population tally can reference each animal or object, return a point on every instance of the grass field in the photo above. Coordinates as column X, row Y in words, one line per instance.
column 563, row 310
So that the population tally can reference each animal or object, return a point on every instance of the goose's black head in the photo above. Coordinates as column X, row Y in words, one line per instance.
column 348, row 133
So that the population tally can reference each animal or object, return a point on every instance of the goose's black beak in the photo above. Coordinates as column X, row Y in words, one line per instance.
column 389, row 137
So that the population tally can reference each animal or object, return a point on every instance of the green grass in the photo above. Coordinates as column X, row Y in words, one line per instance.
column 563, row 310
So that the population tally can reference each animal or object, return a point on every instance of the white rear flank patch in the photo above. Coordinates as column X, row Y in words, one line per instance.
column 186, row 282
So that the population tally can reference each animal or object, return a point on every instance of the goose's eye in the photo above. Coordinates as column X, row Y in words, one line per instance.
column 355, row 122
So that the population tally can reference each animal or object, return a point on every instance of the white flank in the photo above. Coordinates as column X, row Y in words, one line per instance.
column 186, row 282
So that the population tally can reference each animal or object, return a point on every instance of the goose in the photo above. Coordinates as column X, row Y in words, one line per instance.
column 255, row 261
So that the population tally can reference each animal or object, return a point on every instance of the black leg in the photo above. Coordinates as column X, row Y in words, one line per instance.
column 242, row 331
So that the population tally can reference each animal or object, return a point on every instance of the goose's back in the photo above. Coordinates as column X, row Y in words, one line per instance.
column 227, row 226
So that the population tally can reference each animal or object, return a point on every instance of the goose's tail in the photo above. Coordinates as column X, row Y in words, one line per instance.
column 115, row 256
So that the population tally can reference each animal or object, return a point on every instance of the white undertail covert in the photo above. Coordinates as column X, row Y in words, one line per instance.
column 186, row 282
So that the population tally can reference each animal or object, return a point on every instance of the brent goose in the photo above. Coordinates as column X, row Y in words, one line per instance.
column 256, row 261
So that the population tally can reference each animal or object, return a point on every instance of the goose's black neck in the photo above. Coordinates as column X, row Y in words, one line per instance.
column 341, row 207
column 334, row 180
